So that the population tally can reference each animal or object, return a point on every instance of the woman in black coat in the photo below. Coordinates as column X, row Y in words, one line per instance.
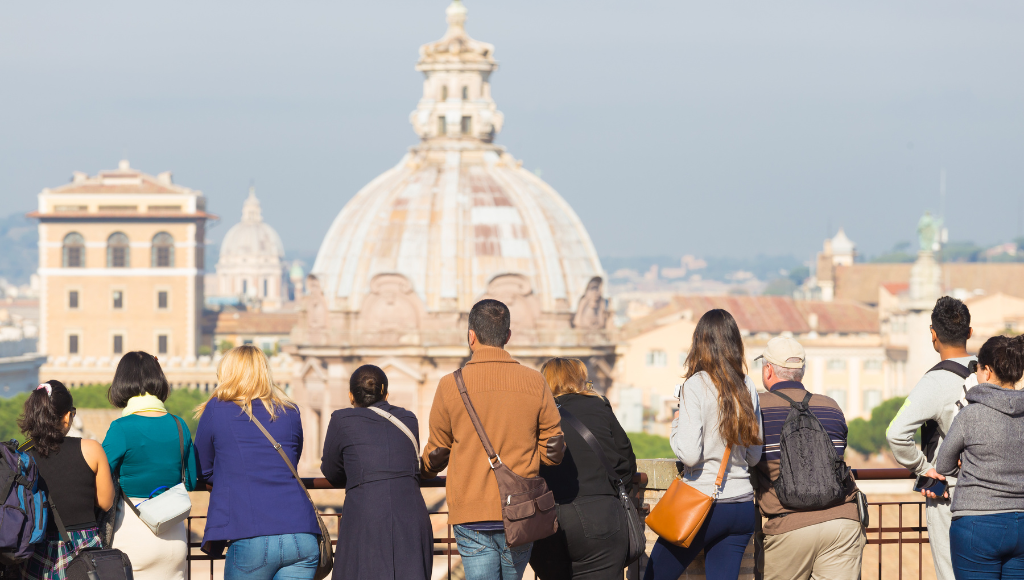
column 592, row 538
column 385, row 531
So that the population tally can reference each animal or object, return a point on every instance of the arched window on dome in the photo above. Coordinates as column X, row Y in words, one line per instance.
column 442, row 125
column 444, row 93
column 163, row 250
column 117, row 251
column 465, row 93
column 74, row 250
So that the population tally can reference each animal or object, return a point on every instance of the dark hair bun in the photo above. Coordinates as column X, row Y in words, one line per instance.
column 368, row 385
column 1005, row 356
column 43, row 416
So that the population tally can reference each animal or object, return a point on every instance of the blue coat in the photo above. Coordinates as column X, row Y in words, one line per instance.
column 385, row 532
column 254, row 494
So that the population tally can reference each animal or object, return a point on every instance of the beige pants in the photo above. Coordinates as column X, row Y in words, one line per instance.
column 830, row 550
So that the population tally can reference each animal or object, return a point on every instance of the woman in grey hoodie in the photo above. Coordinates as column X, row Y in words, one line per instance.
column 718, row 411
column 985, row 444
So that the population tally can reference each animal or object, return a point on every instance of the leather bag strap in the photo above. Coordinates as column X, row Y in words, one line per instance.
column 488, row 448
column 288, row 462
column 592, row 441
column 722, row 470
column 398, row 423
column 181, row 445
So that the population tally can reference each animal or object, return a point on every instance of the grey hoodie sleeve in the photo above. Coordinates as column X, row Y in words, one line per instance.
column 919, row 407
column 948, row 455
column 688, row 428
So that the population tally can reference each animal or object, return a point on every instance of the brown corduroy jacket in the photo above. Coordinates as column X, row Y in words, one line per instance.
column 519, row 415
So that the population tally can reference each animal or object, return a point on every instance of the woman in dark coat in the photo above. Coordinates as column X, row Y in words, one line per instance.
column 592, row 538
column 385, row 531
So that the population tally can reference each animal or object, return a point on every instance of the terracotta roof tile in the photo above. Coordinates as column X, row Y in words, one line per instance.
column 246, row 322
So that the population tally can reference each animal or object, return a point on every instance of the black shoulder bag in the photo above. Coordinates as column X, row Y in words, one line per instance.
column 93, row 563
column 635, row 525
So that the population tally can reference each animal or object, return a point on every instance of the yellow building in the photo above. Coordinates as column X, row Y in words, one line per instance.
column 846, row 358
column 120, row 267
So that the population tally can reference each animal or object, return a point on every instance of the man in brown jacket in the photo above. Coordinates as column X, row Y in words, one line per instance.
column 518, row 414
column 799, row 545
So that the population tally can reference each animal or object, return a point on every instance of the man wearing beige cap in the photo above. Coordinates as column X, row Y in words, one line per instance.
column 816, row 542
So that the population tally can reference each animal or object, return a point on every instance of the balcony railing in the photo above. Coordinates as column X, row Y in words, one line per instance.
column 894, row 527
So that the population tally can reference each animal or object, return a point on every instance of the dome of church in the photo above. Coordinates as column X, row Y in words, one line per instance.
column 251, row 240
column 458, row 218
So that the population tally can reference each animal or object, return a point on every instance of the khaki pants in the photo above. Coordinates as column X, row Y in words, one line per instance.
column 830, row 550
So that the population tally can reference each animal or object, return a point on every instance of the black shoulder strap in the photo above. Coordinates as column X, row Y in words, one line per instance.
column 592, row 441
column 953, row 367
column 64, row 537
column 790, row 401
column 181, row 446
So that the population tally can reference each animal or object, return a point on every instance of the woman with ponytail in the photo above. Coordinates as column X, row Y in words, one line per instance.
column 76, row 476
column 386, row 532
column 718, row 411
column 256, row 505
column 984, row 446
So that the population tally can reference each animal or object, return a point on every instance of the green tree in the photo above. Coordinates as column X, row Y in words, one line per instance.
column 647, row 446
column 868, row 437
column 779, row 287
column 799, row 274
column 225, row 345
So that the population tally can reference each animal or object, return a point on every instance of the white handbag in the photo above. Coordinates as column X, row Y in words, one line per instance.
column 169, row 508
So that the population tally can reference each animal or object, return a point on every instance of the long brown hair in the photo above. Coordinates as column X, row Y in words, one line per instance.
column 718, row 351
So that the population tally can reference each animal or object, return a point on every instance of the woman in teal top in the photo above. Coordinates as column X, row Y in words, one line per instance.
column 145, row 453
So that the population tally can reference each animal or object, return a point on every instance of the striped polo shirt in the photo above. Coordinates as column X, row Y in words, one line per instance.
column 774, row 411
column 824, row 408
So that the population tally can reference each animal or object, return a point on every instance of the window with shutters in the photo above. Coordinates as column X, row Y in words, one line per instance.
column 161, row 299
column 163, row 250
column 117, row 251
column 118, row 299
column 73, row 299
column 118, row 344
column 72, row 344
column 161, row 344
column 74, row 250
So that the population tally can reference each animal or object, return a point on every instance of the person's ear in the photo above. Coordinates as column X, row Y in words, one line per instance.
column 508, row 336
column 351, row 399
column 471, row 337
column 970, row 333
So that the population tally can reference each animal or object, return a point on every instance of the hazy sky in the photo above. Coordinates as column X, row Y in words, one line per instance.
column 714, row 128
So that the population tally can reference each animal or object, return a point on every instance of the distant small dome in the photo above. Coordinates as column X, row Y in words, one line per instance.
column 296, row 273
column 251, row 239
column 842, row 244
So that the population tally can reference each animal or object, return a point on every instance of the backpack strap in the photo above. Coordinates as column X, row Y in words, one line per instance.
column 953, row 367
column 792, row 403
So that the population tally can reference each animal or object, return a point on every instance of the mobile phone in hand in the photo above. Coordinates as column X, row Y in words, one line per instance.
column 936, row 486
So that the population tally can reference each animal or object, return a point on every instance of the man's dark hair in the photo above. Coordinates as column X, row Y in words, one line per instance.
column 490, row 320
column 138, row 373
column 951, row 321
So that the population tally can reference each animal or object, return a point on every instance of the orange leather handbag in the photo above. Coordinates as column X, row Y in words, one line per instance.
column 680, row 513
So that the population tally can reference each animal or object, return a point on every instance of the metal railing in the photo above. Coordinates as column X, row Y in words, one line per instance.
column 908, row 532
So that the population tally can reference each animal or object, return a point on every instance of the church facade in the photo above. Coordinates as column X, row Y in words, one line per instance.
column 457, row 220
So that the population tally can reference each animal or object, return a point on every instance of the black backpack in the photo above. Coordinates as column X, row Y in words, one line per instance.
column 811, row 475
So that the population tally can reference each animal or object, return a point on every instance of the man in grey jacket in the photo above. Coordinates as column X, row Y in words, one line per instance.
column 934, row 400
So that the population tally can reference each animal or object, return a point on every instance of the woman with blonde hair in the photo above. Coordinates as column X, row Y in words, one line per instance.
column 255, row 505
column 592, row 539
column 719, row 423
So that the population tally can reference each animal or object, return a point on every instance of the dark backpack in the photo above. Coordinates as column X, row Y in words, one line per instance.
column 811, row 475
column 930, row 434
column 23, row 518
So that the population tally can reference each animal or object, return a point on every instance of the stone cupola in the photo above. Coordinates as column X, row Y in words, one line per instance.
column 456, row 103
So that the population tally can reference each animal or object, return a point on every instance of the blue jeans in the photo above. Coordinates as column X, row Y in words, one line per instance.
column 283, row 557
column 989, row 546
column 486, row 556
column 723, row 537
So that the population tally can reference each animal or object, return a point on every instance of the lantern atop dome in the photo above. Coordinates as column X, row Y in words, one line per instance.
column 456, row 107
